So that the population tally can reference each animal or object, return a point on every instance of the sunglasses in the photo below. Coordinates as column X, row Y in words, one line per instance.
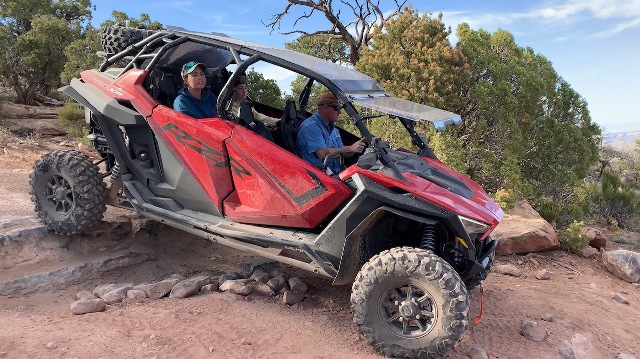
column 335, row 107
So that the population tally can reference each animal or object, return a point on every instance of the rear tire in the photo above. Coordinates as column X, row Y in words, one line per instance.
column 68, row 192
column 410, row 303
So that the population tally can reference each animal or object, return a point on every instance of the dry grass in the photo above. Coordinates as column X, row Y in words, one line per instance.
column 627, row 238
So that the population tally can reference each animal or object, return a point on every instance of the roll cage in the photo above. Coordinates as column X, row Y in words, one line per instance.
column 169, row 49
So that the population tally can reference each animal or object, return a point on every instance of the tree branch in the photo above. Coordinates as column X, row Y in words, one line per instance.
column 367, row 18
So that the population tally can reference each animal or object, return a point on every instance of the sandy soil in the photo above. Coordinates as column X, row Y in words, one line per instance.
column 218, row 325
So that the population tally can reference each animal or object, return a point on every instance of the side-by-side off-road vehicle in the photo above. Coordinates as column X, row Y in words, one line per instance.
column 410, row 234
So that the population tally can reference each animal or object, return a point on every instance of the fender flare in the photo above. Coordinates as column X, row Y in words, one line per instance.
column 353, row 255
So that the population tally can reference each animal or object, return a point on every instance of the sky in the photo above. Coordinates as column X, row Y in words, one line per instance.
column 592, row 44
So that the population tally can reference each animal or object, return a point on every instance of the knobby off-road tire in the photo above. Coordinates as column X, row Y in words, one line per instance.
column 117, row 38
column 68, row 192
column 410, row 303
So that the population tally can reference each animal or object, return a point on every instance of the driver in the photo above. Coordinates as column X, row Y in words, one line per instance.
column 318, row 135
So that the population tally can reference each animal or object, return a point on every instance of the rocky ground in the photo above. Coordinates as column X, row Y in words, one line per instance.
column 579, row 306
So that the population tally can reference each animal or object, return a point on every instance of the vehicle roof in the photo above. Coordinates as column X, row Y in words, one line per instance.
column 359, row 88
column 347, row 79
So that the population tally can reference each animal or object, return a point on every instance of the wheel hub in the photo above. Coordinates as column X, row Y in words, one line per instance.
column 60, row 193
column 408, row 309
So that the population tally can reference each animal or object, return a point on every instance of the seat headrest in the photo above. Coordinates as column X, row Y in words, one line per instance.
column 290, row 109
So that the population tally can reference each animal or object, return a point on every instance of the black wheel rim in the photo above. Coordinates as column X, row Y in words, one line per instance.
column 59, row 194
column 407, row 310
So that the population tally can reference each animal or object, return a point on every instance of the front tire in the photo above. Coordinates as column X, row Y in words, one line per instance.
column 410, row 303
column 68, row 192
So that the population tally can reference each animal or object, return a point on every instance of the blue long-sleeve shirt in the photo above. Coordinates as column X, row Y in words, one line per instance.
column 205, row 107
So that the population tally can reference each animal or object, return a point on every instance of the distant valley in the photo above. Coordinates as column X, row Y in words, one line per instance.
column 621, row 139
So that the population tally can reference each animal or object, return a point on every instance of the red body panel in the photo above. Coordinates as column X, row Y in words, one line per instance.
column 248, row 178
column 199, row 145
column 128, row 87
column 275, row 187
column 479, row 207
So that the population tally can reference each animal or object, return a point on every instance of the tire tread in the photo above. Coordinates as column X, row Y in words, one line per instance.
column 408, row 260
column 90, row 192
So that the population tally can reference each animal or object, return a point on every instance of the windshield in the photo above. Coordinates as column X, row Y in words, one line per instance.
column 406, row 109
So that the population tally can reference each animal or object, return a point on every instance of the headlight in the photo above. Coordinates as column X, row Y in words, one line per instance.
column 472, row 226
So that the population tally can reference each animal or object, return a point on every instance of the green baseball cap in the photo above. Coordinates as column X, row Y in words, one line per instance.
column 192, row 65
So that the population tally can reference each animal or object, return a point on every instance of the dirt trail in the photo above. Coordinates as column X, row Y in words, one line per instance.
column 220, row 325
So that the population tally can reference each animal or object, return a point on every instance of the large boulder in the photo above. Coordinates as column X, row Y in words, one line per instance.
column 523, row 230
column 623, row 264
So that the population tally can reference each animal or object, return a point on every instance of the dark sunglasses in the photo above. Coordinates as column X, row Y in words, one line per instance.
column 335, row 107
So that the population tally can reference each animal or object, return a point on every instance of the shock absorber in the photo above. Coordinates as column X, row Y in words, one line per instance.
column 115, row 172
column 429, row 239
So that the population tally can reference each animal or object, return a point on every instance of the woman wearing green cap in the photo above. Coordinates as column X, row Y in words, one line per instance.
column 194, row 99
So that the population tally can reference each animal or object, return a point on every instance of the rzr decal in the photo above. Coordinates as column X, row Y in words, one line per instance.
column 237, row 168
column 186, row 139
column 304, row 198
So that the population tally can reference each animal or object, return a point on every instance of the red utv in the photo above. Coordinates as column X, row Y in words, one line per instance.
column 409, row 233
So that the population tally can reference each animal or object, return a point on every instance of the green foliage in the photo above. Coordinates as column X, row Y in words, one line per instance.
column 298, row 84
column 72, row 117
column 505, row 198
column 414, row 60
column 525, row 128
column 628, row 238
column 144, row 21
column 264, row 90
column 449, row 148
column 33, row 35
column 616, row 199
column 572, row 238
column 549, row 210
column 81, row 55
column 575, row 206
column 320, row 46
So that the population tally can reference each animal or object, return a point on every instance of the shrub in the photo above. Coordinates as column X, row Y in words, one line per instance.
column 5, row 136
column 569, row 205
column 505, row 198
column 628, row 238
column 616, row 200
column 550, row 210
column 72, row 117
column 572, row 238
